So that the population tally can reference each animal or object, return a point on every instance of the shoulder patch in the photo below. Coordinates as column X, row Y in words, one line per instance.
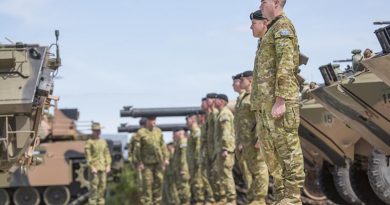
column 284, row 32
column 224, row 118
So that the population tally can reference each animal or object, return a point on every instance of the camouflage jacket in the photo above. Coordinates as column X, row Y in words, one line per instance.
column 180, row 162
column 132, row 144
column 210, row 132
column 276, row 65
column 245, row 121
column 224, row 132
column 194, row 151
column 97, row 154
column 151, row 147
column 203, row 145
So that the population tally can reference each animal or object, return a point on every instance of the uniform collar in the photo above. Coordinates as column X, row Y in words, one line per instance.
column 275, row 20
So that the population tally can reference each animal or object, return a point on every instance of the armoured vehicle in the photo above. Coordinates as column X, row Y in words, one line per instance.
column 63, row 175
column 26, row 83
column 359, row 101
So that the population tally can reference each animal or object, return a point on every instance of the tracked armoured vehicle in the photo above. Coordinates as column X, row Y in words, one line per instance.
column 26, row 84
column 63, row 175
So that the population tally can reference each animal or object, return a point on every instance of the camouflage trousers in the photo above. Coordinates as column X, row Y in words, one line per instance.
column 258, row 171
column 207, row 190
column 98, row 188
column 282, row 151
column 170, row 196
column 196, row 182
column 242, row 163
column 226, row 181
column 214, row 179
column 183, row 188
column 152, row 180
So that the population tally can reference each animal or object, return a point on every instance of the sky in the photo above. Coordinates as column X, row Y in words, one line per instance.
column 171, row 53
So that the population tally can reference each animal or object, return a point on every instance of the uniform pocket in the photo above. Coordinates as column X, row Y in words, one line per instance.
column 291, row 116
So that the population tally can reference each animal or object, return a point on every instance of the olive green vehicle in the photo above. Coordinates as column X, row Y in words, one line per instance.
column 63, row 177
column 358, row 99
column 27, row 72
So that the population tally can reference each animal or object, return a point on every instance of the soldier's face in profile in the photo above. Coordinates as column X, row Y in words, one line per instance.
column 204, row 105
column 259, row 28
column 236, row 85
column 96, row 133
column 245, row 82
column 210, row 102
column 150, row 123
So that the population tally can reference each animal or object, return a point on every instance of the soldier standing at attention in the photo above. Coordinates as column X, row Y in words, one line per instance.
column 151, row 157
column 193, row 155
column 99, row 161
column 212, row 114
column 275, row 99
column 170, row 196
column 205, row 157
column 241, row 162
column 181, row 167
column 249, row 143
column 224, row 150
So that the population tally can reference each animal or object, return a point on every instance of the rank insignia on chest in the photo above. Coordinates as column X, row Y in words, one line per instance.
column 284, row 32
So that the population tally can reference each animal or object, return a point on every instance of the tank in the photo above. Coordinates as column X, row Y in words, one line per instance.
column 63, row 175
column 26, row 84
column 359, row 102
column 129, row 111
column 163, row 127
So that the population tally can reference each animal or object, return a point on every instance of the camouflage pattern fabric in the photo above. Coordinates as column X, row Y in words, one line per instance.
column 205, row 166
column 98, row 188
column 194, row 155
column 152, row 180
column 245, row 124
column 213, row 166
column 170, row 196
column 275, row 71
column 135, row 141
column 225, row 141
column 182, row 175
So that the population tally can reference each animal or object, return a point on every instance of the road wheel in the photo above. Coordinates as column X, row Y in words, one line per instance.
column 312, row 186
column 4, row 197
column 343, row 183
column 26, row 196
column 56, row 195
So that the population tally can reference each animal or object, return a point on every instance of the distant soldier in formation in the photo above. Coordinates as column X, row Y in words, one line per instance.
column 241, row 162
column 249, row 143
column 151, row 157
column 224, row 146
column 212, row 114
column 368, row 53
column 275, row 99
column 182, row 175
column 170, row 196
column 134, row 142
column 194, row 155
column 205, row 161
column 99, row 161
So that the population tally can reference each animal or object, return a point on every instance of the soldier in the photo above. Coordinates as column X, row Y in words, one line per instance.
column 151, row 157
column 224, row 150
column 241, row 162
column 170, row 196
column 193, row 155
column 99, row 161
column 181, row 166
column 204, row 160
column 249, row 143
column 135, row 141
column 275, row 99
column 368, row 53
column 212, row 114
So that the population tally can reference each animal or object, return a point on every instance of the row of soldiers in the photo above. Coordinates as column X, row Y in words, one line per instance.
column 262, row 135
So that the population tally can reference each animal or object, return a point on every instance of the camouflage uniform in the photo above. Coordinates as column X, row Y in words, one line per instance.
column 239, row 155
column 170, row 196
column 152, row 153
column 205, row 166
column 193, row 155
column 182, row 174
column 224, row 141
column 245, row 124
column 274, row 75
column 98, row 156
column 134, row 141
column 214, row 168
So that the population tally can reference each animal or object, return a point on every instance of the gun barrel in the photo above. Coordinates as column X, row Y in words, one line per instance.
column 163, row 127
column 381, row 22
column 158, row 112
column 342, row 61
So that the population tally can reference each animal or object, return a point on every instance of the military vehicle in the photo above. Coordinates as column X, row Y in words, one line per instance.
column 27, row 72
column 63, row 175
column 359, row 101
